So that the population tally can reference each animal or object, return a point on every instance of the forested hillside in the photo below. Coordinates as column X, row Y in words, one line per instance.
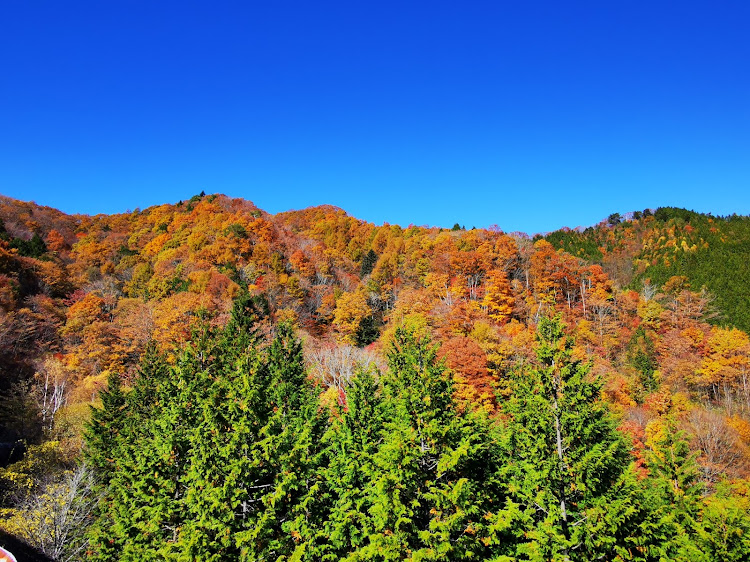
column 708, row 251
column 309, row 386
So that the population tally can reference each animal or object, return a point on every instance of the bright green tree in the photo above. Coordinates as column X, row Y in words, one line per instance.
column 674, row 491
column 572, row 493
column 254, row 450
column 430, row 482
column 177, row 445
column 724, row 529
column 335, row 516
column 119, row 437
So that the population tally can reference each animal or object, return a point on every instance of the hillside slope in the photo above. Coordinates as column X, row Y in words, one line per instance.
column 710, row 252
column 82, row 297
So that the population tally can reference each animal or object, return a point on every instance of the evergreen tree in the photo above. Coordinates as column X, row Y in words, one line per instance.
column 37, row 247
column 33, row 248
column 248, row 312
column 253, row 454
column 367, row 332
column 291, row 440
column 223, row 469
column 140, row 497
column 104, row 435
column 572, row 493
column 104, row 429
column 430, row 482
column 368, row 263
column 674, row 492
column 675, row 472
column 201, row 466
column 150, row 487
column 339, row 507
column 642, row 356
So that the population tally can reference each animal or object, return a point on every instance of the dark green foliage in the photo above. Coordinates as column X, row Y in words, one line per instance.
column 105, row 429
column 368, row 263
column 367, row 332
column 236, row 229
column 194, row 199
column 582, row 244
column 664, row 214
column 33, row 248
column 614, row 219
column 247, row 313
column 714, row 255
column 719, row 261
column 642, row 357
column 177, row 284
column 124, row 251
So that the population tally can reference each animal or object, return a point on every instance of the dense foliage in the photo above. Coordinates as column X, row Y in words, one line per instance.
column 620, row 430
column 708, row 251
column 226, row 455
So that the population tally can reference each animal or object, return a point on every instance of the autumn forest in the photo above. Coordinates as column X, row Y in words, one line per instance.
column 207, row 381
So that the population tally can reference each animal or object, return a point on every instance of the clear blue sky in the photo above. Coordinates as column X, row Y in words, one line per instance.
column 529, row 115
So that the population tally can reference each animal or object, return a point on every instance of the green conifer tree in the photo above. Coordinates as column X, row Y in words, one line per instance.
column 143, row 507
column 724, row 528
column 104, row 429
column 104, row 435
column 572, row 493
column 431, row 477
column 368, row 263
column 642, row 356
column 214, row 453
column 254, row 449
column 674, row 492
column 338, row 509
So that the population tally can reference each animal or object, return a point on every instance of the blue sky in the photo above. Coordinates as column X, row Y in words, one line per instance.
column 528, row 115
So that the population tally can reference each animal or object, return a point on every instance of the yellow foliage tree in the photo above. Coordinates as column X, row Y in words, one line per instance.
column 351, row 309
column 725, row 366
column 498, row 298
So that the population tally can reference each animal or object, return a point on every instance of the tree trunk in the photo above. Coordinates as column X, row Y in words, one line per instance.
column 561, row 458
